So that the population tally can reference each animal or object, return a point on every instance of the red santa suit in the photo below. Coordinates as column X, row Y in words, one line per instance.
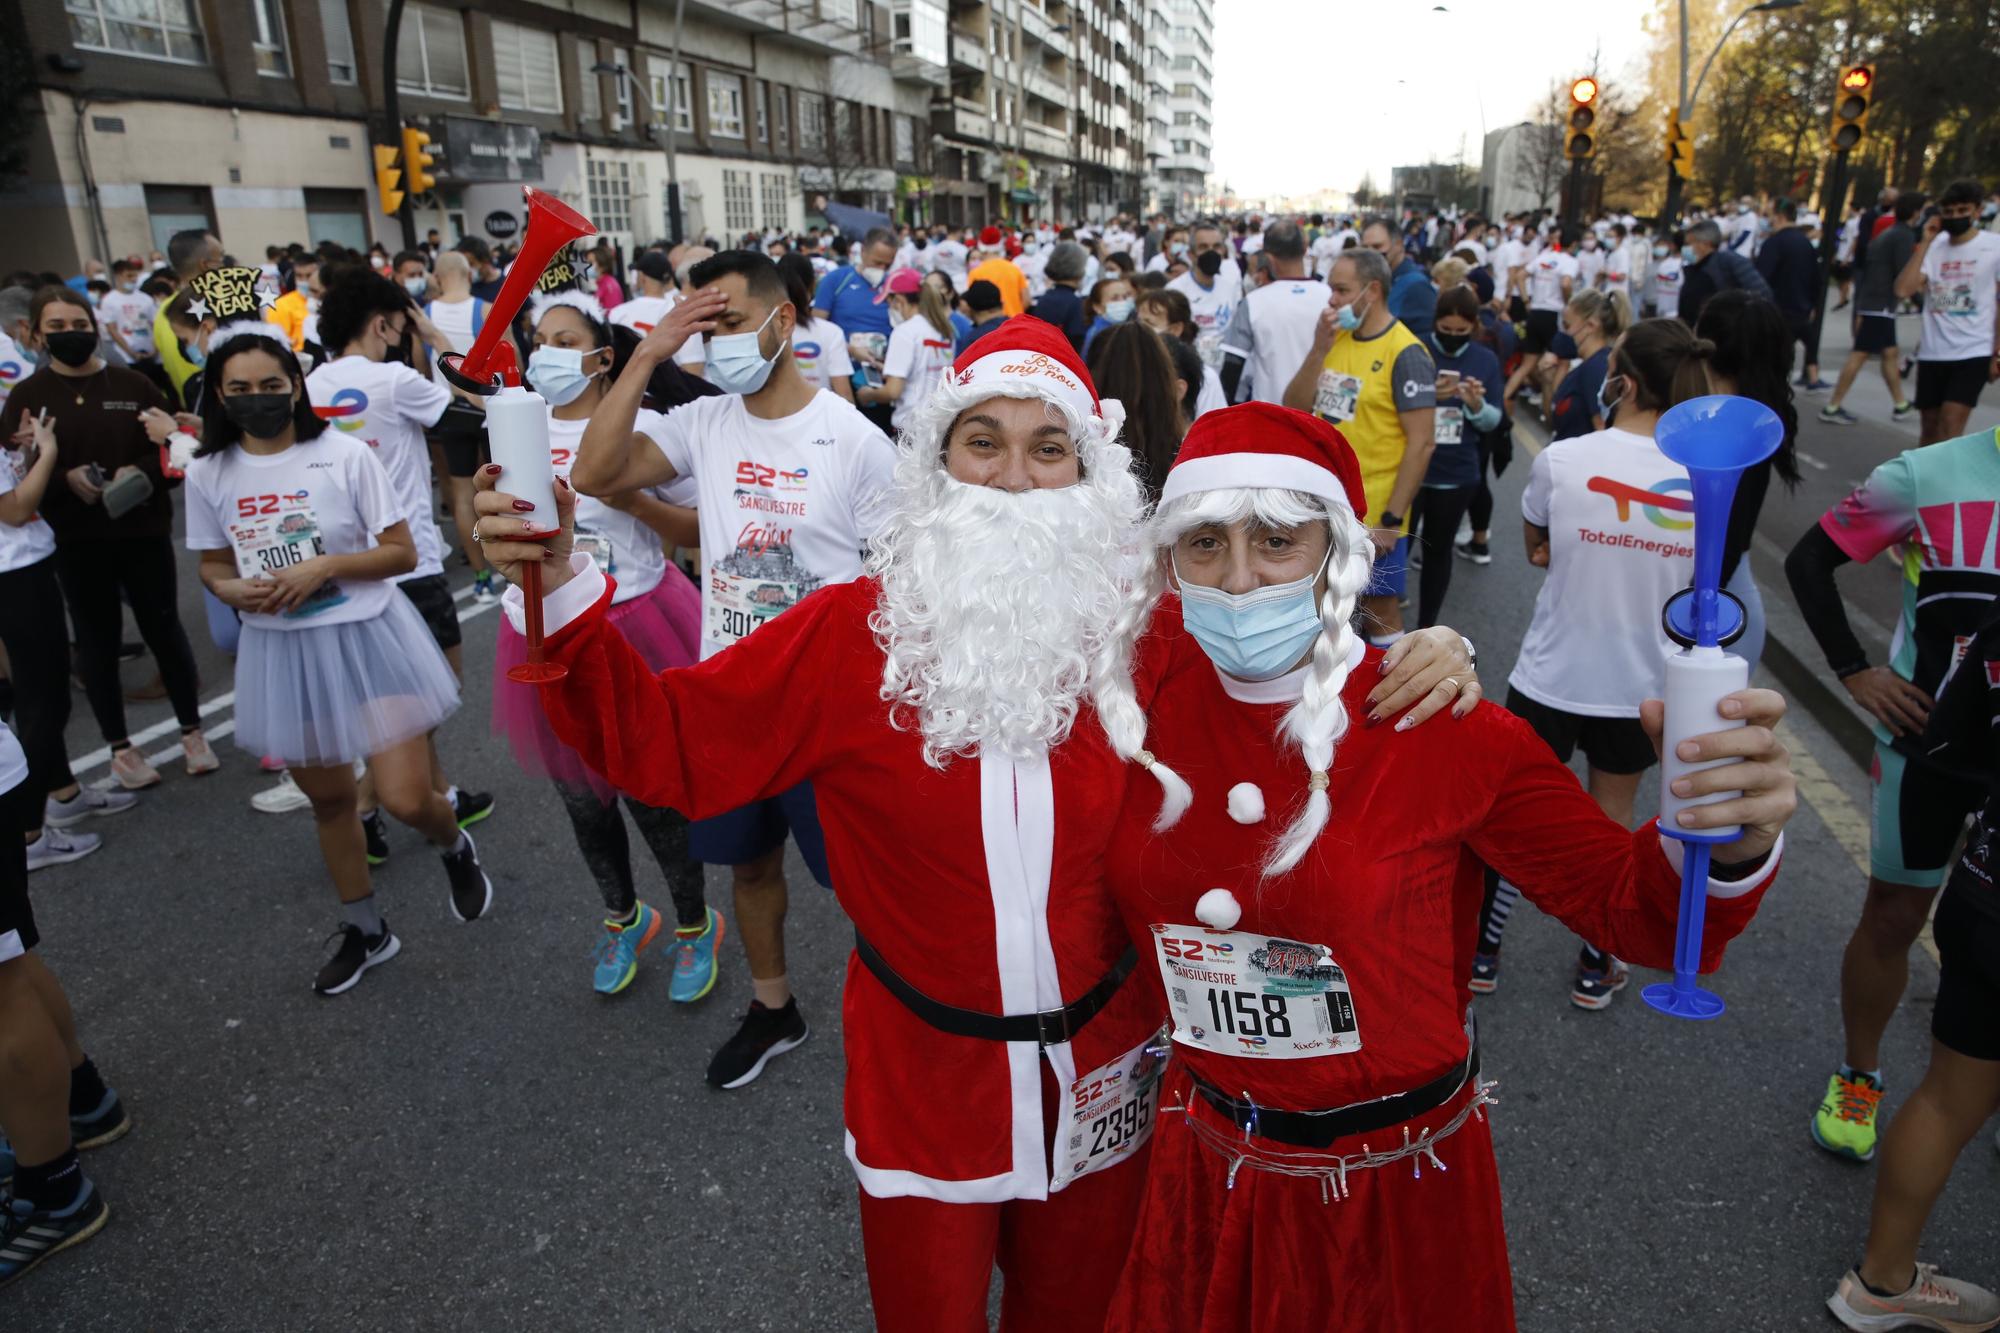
column 1259, row 1218
column 979, row 885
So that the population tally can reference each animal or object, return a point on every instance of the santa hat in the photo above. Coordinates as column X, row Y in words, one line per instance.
column 989, row 239
column 1023, row 358
column 1261, row 446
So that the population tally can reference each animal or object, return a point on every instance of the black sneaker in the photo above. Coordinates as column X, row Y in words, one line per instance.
column 1477, row 552
column 373, row 829
column 765, row 1033
column 471, row 806
column 29, row 1235
column 105, row 1123
column 355, row 954
column 471, row 891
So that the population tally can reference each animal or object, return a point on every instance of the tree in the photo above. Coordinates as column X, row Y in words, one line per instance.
column 1539, row 165
column 1365, row 194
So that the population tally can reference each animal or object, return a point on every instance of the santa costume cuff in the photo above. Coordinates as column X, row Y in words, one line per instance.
column 1675, row 852
column 566, row 604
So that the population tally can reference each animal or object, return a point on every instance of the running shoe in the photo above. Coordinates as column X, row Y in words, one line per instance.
column 355, row 954
column 106, row 1123
column 281, row 799
column 58, row 847
column 1838, row 416
column 1594, row 986
column 1810, row 386
column 470, row 806
column 28, row 1235
column 765, row 1033
column 88, row 803
column 1479, row 553
column 377, row 835
column 471, row 891
column 694, row 961
column 618, row 953
column 1932, row 1301
column 1902, row 411
column 1844, row 1125
column 132, row 770
column 1485, row 974
column 482, row 588
column 199, row 754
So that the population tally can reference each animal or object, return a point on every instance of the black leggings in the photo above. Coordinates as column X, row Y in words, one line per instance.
column 600, row 836
column 1481, row 511
column 1437, row 510
column 37, row 642
column 94, row 574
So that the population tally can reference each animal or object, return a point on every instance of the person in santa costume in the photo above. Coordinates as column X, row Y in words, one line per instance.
column 1323, row 1161
column 935, row 706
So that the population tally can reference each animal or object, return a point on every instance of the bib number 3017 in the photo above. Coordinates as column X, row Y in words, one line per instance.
column 1260, row 996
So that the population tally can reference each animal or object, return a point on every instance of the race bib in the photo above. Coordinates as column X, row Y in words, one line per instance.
column 595, row 543
column 1336, row 395
column 1450, row 423
column 1209, row 344
column 1239, row 993
column 274, row 532
column 1111, row 1111
column 750, row 586
column 1957, row 300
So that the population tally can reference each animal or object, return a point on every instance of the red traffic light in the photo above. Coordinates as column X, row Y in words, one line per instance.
column 1857, row 79
column 1583, row 92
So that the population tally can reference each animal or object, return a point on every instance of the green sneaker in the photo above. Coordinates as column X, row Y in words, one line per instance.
column 1844, row 1125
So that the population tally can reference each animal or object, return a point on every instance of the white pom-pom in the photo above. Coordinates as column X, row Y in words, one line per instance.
column 1246, row 803
column 1218, row 909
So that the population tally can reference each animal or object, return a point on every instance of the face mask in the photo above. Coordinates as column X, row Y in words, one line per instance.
column 1661, row 251
column 736, row 362
column 128, row 287
column 1348, row 318
column 1179, row 249
column 72, row 347
column 1028, row 246
column 557, row 374
column 415, row 286
column 1452, row 344
column 28, row 354
column 1605, row 406
column 1590, row 243
column 896, row 317
column 1955, row 226
column 261, row 416
column 873, row 275
column 1119, row 311
column 1687, row 254
column 1257, row 635
column 1210, row 263
column 193, row 354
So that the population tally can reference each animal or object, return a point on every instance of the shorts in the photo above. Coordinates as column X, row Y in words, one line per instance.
column 464, row 450
column 1616, row 745
column 1874, row 333
column 1917, row 815
column 1541, row 335
column 1966, row 1017
column 759, row 828
column 1391, row 573
column 1941, row 382
column 1842, row 272
column 20, row 810
column 432, row 597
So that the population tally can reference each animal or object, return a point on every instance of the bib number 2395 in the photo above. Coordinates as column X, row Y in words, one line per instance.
column 1260, row 996
column 1111, row 1111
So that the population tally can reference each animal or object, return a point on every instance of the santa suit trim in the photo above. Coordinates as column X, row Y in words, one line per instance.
column 1283, row 472
column 883, row 1183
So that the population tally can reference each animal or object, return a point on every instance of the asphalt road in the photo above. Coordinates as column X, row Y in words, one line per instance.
column 474, row 1140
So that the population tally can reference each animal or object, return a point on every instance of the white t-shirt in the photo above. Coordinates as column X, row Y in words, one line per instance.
column 13, row 367
column 1663, row 285
column 1210, row 396
column 1212, row 308
column 1546, row 272
column 1621, row 541
column 1617, row 270
column 624, row 548
column 641, row 313
column 1959, row 296
column 329, row 496
column 454, row 319
column 1589, row 264
column 1272, row 331
column 1033, row 267
column 786, row 505
column 132, row 312
column 918, row 355
column 32, row 542
column 820, row 349
column 388, row 406
column 1508, row 256
column 1325, row 249
column 948, row 257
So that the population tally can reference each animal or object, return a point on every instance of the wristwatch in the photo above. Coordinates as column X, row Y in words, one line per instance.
column 1391, row 520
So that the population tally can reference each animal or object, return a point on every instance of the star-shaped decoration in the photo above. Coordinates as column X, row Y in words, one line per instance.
column 198, row 308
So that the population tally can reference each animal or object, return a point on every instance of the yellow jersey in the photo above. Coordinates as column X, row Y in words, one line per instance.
column 1365, row 385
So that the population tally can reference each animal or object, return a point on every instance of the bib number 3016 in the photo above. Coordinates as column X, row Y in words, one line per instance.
column 1260, row 996
column 1110, row 1112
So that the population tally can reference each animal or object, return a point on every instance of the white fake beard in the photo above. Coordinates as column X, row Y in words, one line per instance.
column 997, row 609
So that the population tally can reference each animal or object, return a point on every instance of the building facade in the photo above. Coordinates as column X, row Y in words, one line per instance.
column 1184, row 171
column 256, row 117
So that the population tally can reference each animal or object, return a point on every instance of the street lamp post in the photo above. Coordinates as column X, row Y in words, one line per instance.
column 675, row 232
column 1672, row 208
column 392, row 28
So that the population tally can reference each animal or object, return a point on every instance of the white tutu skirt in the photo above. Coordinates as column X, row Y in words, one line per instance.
column 331, row 694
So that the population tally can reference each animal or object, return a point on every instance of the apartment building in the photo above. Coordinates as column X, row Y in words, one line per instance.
column 1184, row 172
column 255, row 117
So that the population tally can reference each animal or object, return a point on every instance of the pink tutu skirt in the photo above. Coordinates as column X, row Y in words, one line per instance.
column 664, row 626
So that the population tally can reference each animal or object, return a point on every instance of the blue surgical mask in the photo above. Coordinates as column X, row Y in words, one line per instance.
column 195, row 356
column 1256, row 635
column 557, row 374
column 1604, row 408
column 736, row 362
column 1119, row 311
column 1348, row 318
column 1687, row 254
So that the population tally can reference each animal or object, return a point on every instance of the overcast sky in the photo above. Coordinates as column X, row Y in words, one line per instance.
column 1309, row 94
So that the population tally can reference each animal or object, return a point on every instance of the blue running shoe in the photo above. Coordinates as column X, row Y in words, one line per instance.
column 29, row 1235
column 104, row 1124
column 694, row 961
column 618, row 953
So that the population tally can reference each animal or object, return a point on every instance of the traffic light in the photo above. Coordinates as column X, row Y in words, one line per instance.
column 387, row 178
column 1680, row 145
column 416, row 162
column 1581, row 140
column 1851, row 97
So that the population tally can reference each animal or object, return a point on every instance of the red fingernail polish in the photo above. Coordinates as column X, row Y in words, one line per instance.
column 492, row 469
column 523, row 507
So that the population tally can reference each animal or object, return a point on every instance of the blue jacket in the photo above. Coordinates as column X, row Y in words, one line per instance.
column 1412, row 298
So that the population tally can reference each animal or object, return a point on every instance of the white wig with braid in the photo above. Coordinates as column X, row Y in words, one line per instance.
column 1319, row 719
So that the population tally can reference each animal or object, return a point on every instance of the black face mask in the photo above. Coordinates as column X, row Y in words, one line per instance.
column 72, row 347
column 1452, row 344
column 261, row 416
column 1209, row 262
column 1955, row 226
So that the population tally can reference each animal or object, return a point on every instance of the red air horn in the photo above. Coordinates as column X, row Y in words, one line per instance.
column 517, row 422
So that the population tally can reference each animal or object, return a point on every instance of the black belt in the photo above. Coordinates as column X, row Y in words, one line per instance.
column 1318, row 1129
column 1052, row 1027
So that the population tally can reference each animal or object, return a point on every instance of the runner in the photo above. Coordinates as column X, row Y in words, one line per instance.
column 1551, row 279
column 920, row 347
column 1273, row 327
column 1279, row 1195
column 818, row 345
column 1212, row 286
column 300, row 531
column 461, row 431
column 1470, row 384
column 1875, row 304
column 658, row 612
column 655, row 297
column 1959, row 351
column 1592, row 320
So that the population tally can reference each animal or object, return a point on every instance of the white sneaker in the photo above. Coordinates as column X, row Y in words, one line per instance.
column 1934, row 1301
column 282, row 799
column 55, row 847
column 89, row 802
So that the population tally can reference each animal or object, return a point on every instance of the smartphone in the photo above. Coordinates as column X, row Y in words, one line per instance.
column 95, row 475
column 1447, row 381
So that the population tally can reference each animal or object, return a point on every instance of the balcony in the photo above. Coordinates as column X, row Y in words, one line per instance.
column 796, row 19
column 969, row 50
column 961, row 122
column 1041, row 139
column 1048, row 89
